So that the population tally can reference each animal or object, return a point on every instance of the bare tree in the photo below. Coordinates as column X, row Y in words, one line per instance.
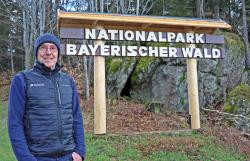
column 200, row 8
column 87, row 60
column 38, row 16
column 147, row 6
column 122, row 4
column 11, row 54
column 117, row 6
column 9, row 18
column 245, row 35
column 86, row 78
column 101, row 6
column 96, row 6
column 137, row 7
column 216, row 5
column 42, row 16
column 92, row 6
column 29, row 17
column 33, row 18
column 26, row 45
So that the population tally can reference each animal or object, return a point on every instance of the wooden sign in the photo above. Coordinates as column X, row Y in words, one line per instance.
column 103, row 28
column 149, row 51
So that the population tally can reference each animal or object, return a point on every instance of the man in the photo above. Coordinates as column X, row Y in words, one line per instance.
column 44, row 116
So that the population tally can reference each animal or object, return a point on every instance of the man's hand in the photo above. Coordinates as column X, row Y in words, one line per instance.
column 76, row 157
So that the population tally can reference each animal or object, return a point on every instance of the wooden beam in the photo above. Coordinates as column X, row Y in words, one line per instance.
column 138, row 28
column 193, row 96
column 99, row 92
column 145, row 26
column 94, row 23
column 152, row 23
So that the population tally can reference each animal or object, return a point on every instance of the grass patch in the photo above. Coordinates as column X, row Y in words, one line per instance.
column 146, row 147
column 158, row 147
column 171, row 156
column 6, row 153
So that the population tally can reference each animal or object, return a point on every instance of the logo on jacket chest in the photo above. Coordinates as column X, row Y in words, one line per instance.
column 37, row 84
column 65, row 85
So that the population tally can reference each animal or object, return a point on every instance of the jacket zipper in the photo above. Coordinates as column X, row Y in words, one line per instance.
column 59, row 119
column 59, row 94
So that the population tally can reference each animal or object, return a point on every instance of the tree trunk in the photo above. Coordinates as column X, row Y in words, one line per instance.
column 90, row 68
column 245, row 35
column 145, row 7
column 216, row 5
column 101, row 6
column 137, row 7
column 52, row 17
column 200, row 8
column 29, row 28
column 42, row 16
column 107, row 6
column 122, row 6
column 33, row 23
column 12, row 62
column 117, row 6
column 25, row 40
column 57, row 6
column 92, row 7
column 96, row 6
column 229, row 12
column 11, row 56
column 86, row 78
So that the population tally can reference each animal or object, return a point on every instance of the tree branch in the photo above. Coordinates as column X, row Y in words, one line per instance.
column 225, row 113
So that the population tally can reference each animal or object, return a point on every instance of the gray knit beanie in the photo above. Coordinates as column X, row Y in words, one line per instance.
column 47, row 37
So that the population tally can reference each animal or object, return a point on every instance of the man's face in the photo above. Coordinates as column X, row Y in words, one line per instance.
column 47, row 54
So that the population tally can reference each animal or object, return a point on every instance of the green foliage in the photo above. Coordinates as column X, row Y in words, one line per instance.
column 230, row 108
column 158, row 44
column 164, row 44
column 243, row 90
column 113, row 64
column 234, row 43
column 141, row 66
column 182, row 78
column 179, row 8
column 237, row 95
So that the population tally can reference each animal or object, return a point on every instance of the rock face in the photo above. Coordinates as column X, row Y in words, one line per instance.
column 158, row 80
column 165, row 83
column 238, row 103
column 118, row 73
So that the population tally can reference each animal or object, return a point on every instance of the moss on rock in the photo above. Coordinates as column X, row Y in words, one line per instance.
column 236, row 99
column 234, row 43
column 141, row 66
column 114, row 64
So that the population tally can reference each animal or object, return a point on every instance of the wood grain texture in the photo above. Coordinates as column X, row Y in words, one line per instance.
column 132, row 22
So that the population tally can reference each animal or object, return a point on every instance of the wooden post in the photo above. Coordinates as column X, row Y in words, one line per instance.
column 99, row 92
column 193, row 96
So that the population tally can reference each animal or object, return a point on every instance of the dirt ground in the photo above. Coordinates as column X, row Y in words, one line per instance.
column 130, row 117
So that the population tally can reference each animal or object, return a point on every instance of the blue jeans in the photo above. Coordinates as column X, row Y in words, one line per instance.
column 67, row 157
